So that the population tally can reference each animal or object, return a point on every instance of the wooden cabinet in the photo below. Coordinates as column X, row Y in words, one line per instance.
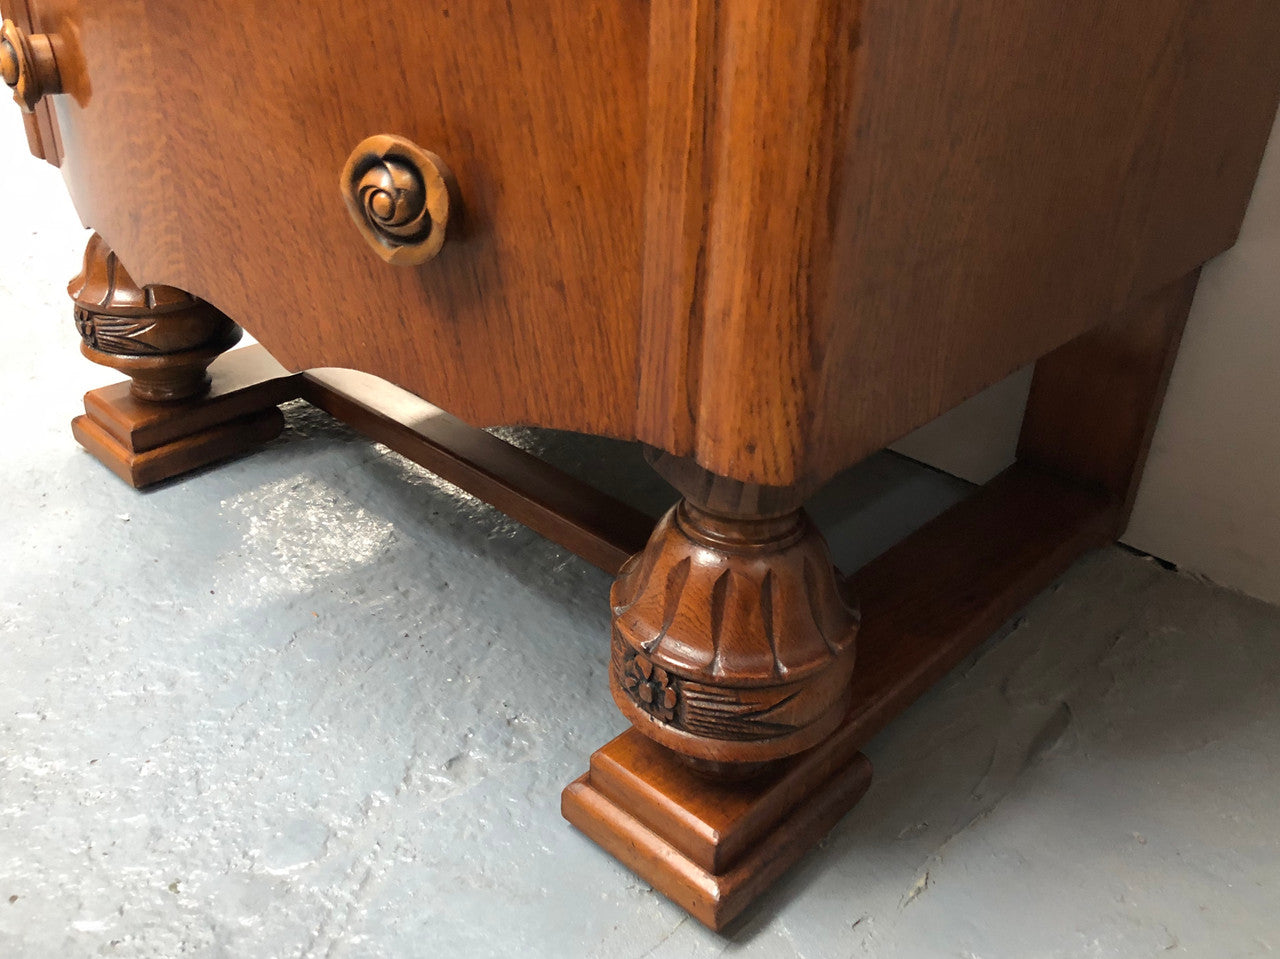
column 765, row 238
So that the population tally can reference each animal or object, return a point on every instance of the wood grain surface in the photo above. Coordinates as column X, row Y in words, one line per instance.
column 1018, row 172
column 881, row 208
column 770, row 236
column 1095, row 402
column 208, row 152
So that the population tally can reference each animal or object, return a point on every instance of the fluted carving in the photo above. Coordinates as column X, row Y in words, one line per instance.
column 162, row 337
column 732, row 639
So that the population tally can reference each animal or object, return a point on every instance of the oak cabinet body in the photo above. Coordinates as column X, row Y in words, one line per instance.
column 774, row 236
column 765, row 237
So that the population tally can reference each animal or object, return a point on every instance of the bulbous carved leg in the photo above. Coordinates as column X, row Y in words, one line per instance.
column 721, row 566
column 733, row 639
column 163, row 338
column 171, row 417
column 733, row 650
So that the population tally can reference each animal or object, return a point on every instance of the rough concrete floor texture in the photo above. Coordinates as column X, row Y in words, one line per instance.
column 316, row 703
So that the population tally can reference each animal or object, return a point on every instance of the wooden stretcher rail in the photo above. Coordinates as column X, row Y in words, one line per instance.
column 567, row 511
column 710, row 845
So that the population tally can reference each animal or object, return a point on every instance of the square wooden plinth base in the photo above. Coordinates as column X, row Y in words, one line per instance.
column 146, row 443
column 710, row 847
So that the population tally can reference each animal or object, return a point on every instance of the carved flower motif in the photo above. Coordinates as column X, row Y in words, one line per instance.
column 85, row 326
column 651, row 687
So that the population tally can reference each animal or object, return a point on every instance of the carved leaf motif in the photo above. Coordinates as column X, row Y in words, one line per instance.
column 719, row 597
column 676, row 581
column 729, row 714
column 116, row 334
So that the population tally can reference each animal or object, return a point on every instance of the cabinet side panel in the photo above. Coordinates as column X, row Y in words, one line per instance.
column 1211, row 151
column 1018, row 171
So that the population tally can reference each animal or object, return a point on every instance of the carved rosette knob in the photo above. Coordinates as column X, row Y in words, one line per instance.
column 400, row 197
column 733, row 642
column 28, row 65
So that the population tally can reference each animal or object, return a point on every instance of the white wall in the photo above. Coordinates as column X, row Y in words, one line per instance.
column 1210, row 499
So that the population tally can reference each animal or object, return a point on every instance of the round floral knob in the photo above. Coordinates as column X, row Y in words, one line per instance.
column 400, row 197
column 28, row 65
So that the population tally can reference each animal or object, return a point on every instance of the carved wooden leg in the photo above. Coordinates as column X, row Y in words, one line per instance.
column 733, row 640
column 172, row 416
column 703, row 609
column 733, row 646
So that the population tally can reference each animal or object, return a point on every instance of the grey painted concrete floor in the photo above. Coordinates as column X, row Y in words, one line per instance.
column 316, row 703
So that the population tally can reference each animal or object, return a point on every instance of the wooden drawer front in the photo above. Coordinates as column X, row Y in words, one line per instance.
column 207, row 139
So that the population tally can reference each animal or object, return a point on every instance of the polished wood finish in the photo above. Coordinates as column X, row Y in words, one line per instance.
column 242, row 382
column 927, row 603
column 768, row 237
column 145, row 443
column 400, row 197
column 248, row 113
column 143, row 468
column 173, row 416
column 1019, row 174
column 733, row 641
column 713, row 823
column 1094, row 402
column 734, row 87
column 163, row 338
column 713, row 846
column 713, row 897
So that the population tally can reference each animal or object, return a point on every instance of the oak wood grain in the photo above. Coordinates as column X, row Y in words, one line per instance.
column 1095, row 402
column 209, row 152
column 1009, row 165
column 770, row 237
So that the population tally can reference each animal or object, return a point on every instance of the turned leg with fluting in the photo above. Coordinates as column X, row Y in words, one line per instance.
column 696, row 800
column 733, row 638
column 734, row 642
column 163, row 338
column 172, row 416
